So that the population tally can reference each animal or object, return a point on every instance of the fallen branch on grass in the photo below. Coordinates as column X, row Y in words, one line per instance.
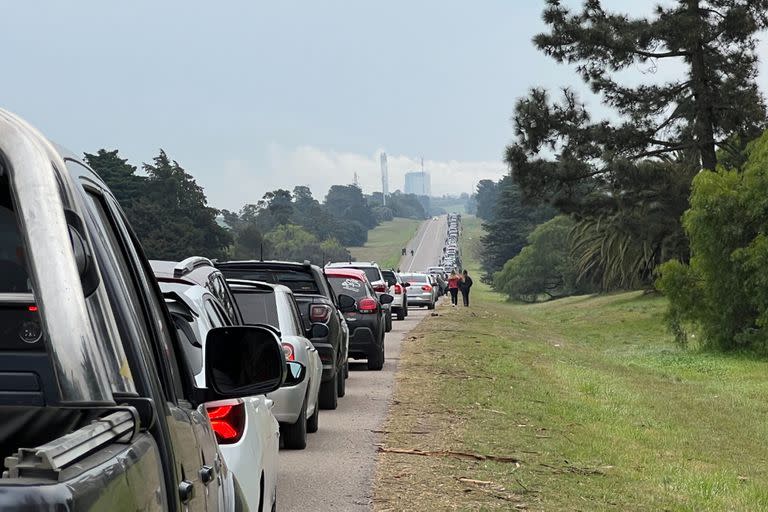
column 416, row 432
column 449, row 453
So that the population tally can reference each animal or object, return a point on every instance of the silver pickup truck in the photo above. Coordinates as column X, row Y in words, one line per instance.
column 97, row 409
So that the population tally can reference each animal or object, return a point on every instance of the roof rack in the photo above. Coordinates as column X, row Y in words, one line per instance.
column 186, row 266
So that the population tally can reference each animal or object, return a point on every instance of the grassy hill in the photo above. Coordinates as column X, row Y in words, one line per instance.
column 385, row 242
column 598, row 407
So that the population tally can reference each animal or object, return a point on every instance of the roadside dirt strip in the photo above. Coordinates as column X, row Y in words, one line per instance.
column 336, row 470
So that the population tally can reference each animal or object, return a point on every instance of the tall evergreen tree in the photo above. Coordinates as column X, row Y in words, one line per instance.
column 715, row 104
column 512, row 221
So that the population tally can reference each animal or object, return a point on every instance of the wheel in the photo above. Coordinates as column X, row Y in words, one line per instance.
column 341, row 389
column 401, row 314
column 388, row 322
column 313, row 421
column 406, row 309
column 431, row 306
column 346, row 370
column 328, row 393
column 295, row 436
column 376, row 360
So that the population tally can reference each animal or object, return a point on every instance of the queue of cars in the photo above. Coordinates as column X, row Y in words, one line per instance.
column 162, row 385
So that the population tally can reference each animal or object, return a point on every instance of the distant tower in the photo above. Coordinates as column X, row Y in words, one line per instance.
column 384, row 179
column 355, row 180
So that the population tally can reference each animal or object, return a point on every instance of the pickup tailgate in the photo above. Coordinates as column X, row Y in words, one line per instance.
column 120, row 474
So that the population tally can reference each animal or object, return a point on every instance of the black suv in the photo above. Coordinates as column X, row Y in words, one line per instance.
column 317, row 304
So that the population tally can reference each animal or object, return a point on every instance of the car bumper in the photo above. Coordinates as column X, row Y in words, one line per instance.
column 327, row 356
column 420, row 299
column 362, row 342
column 288, row 401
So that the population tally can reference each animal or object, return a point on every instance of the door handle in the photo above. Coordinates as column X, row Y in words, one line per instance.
column 186, row 491
column 206, row 474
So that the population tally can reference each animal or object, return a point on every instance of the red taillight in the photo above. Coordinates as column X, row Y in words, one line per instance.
column 32, row 309
column 398, row 289
column 319, row 313
column 288, row 351
column 367, row 305
column 380, row 288
column 426, row 288
column 228, row 422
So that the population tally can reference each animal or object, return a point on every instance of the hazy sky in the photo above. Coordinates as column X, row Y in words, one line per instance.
column 251, row 96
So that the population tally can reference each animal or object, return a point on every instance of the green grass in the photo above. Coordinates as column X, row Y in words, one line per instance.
column 591, row 393
column 385, row 242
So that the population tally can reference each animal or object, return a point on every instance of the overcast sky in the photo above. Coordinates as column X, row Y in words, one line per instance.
column 251, row 96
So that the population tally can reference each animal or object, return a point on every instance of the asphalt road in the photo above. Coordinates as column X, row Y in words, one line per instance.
column 335, row 472
column 427, row 245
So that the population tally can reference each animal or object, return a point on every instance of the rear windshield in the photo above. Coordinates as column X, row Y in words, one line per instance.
column 297, row 281
column 389, row 277
column 372, row 273
column 415, row 278
column 348, row 286
column 13, row 268
column 257, row 307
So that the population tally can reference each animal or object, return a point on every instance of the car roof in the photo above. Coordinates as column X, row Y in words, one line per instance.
column 346, row 272
column 342, row 264
column 266, row 264
column 245, row 284
column 195, row 269
column 193, row 295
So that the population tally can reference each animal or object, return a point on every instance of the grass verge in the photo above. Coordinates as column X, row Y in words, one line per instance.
column 385, row 242
column 589, row 394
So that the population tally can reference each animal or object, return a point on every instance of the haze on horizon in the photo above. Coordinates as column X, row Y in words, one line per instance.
column 253, row 96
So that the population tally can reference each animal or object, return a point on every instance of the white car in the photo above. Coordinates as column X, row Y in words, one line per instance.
column 246, row 430
column 297, row 408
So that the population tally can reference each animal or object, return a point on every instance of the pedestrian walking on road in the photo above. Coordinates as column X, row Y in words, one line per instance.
column 464, row 285
column 453, row 287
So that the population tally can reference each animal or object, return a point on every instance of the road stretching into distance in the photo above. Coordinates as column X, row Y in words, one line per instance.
column 336, row 470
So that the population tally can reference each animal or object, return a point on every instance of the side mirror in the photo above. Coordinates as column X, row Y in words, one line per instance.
column 386, row 298
column 297, row 372
column 347, row 303
column 243, row 361
column 406, row 284
column 319, row 330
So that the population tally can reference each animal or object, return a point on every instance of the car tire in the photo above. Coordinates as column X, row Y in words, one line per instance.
column 295, row 435
column 346, row 370
column 341, row 388
column 376, row 360
column 313, row 422
column 388, row 322
column 328, row 393
column 401, row 314
column 431, row 306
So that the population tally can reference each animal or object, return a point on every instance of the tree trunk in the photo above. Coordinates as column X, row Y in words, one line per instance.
column 702, row 92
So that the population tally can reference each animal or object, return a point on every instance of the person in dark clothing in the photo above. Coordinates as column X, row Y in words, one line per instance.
column 464, row 285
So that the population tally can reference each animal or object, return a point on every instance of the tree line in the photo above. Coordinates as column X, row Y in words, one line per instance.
column 171, row 216
column 666, row 193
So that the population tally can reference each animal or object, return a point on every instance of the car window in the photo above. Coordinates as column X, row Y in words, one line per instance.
column 372, row 273
column 289, row 324
column 13, row 265
column 192, row 353
column 298, row 281
column 257, row 306
column 389, row 277
column 296, row 313
column 218, row 287
column 214, row 316
column 415, row 278
column 349, row 286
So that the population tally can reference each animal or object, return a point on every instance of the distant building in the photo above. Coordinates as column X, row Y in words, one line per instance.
column 419, row 183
